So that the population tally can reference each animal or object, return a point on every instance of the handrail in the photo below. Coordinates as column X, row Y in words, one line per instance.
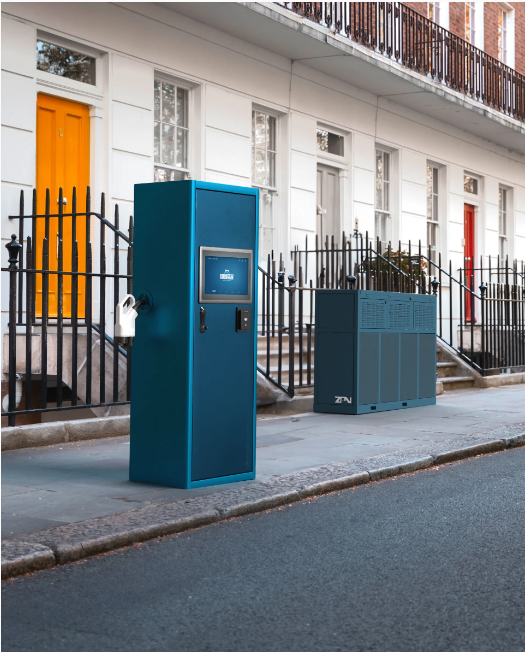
column 102, row 219
column 109, row 339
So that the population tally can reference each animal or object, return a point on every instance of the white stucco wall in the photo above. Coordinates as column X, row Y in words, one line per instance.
column 227, row 77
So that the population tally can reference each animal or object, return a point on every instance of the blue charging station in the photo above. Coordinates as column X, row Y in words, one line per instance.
column 194, row 359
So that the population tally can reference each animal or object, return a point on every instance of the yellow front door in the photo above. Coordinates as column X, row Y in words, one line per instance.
column 62, row 161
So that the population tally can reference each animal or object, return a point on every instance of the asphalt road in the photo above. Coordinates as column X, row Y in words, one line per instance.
column 430, row 561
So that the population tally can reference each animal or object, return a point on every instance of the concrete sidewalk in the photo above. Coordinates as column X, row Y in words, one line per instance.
column 67, row 483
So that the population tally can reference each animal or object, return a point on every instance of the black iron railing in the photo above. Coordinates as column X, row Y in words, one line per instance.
column 287, row 303
column 52, row 300
column 480, row 312
column 491, row 329
column 402, row 34
column 480, row 309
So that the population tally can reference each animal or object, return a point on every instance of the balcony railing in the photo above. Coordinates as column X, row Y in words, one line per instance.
column 405, row 36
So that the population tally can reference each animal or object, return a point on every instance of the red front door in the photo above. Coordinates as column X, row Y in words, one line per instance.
column 469, row 256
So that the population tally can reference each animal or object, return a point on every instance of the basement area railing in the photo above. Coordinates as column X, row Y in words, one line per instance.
column 480, row 312
column 405, row 36
column 62, row 298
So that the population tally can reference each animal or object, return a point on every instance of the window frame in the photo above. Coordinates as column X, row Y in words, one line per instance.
column 503, row 30
column 433, row 224
column 382, row 215
column 178, row 84
column 434, row 8
column 94, row 91
column 271, row 114
column 476, row 180
column 470, row 23
column 503, row 214
column 267, row 194
column 72, row 50
column 326, row 154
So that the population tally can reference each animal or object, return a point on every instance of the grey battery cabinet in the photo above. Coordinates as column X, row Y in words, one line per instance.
column 374, row 351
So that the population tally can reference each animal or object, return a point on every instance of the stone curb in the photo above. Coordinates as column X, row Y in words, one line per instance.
column 23, row 557
column 514, row 442
column 67, row 543
column 469, row 451
column 61, row 432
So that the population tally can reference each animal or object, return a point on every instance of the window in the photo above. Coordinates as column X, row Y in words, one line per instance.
column 170, row 131
column 502, row 227
column 470, row 22
column 382, row 194
column 470, row 184
column 263, row 149
column 433, row 11
column 502, row 35
column 64, row 62
column 432, row 211
column 264, row 152
column 330, row 143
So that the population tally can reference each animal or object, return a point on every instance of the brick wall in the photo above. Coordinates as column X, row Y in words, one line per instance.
column 420, row 7
column 519, row 31
column 456, row 18
column 490, row 28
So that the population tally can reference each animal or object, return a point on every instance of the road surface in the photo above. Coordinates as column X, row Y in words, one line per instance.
column 430, row 561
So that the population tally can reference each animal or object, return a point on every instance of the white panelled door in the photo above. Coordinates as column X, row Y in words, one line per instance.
column 328, row 201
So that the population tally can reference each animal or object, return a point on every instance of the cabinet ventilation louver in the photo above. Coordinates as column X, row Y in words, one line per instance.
column 424, row 317
column 400, row 315
column 373, row 314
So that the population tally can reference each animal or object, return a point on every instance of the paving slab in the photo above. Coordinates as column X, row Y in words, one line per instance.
column 78, row 481
column 74, row 541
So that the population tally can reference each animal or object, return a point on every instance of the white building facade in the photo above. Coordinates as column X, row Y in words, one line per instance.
column 337, row 136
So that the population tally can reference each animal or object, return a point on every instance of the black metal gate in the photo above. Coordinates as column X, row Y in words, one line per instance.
column 62, row 346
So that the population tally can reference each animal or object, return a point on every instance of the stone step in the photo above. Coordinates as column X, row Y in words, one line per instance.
column 274, row 357
column 446, row 369
column 274, row 343
column 442, row 356
column 457, row 382
column 285, row 375
column 81, row 367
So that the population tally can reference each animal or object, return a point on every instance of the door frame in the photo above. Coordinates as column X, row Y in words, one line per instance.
column 52, row 167
column 340, row 218
column 343, row 165
column 472, row 258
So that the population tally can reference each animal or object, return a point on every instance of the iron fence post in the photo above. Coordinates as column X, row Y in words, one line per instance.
column 13, row 248
column 291, row 335
column 483, row 292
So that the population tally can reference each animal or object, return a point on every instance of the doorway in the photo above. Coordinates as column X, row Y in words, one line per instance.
column 328, row 200
column 469, row 254
column 62, row 161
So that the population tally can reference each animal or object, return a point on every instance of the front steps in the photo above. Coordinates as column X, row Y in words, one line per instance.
column 81, row 370
column 452, row 372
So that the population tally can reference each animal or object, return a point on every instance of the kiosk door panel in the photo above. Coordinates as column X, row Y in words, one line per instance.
column 223, row 370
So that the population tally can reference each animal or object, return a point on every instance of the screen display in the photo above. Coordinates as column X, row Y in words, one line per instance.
column 226, row 275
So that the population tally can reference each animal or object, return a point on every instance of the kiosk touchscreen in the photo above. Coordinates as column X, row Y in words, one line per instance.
column 225, row 275
column 194, row 359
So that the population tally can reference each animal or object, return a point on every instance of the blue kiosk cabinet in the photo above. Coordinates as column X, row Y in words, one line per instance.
column 193, row 362
column 374, row 351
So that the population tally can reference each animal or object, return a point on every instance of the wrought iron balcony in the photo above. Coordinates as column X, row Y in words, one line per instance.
column 405, row 36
